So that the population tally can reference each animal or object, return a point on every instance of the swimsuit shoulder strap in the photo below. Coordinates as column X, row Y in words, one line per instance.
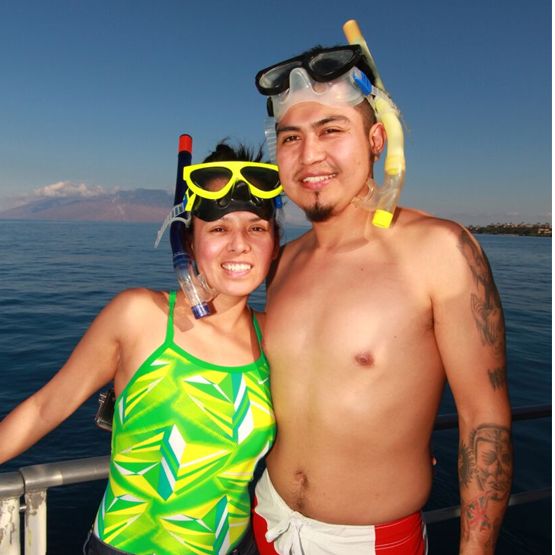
column 257, row 330
column 169, row 327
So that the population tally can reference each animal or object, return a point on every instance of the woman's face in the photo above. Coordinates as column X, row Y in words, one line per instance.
column 234, row 253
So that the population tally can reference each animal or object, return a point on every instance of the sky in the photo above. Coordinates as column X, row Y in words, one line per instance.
column 94, row 94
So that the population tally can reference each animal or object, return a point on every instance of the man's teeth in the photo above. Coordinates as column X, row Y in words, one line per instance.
column 317, row 178
column 235, row 267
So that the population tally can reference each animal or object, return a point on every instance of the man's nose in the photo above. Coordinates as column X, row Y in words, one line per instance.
column 313, row 150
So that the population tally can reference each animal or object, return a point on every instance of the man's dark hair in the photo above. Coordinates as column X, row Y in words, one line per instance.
column 367, row 113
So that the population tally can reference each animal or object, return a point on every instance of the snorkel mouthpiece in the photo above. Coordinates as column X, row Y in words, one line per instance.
column 196, row 291
column 185, row 273
column 388, row 114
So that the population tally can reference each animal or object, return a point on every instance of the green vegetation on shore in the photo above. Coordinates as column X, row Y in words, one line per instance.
column 534, row 230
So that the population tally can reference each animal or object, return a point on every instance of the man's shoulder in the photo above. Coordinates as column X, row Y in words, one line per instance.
column 431, row 244
column 427, row 228
column 442, row 249
column 407, row 216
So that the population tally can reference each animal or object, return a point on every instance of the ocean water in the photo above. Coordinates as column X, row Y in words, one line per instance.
column 56, row 276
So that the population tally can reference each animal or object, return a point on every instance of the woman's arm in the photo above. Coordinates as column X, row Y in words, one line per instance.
column 92, row 364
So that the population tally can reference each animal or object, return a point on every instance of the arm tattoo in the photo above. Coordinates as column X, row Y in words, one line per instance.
column 498, row 377
column 465, row 465
column 486, row 305
column 486, row 464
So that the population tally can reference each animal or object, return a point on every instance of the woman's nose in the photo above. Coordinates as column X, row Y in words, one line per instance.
column 238, row 242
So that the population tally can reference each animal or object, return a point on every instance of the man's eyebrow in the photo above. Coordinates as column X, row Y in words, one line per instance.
column 286, row 128
column 331, row 119
column 315, row 125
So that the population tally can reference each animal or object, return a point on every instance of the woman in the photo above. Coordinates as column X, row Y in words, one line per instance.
column 193, row 412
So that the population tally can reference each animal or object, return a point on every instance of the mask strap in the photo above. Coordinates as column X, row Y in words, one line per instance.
column 174, row 216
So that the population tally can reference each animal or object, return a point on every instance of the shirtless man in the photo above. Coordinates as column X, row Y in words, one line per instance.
column 364, row 325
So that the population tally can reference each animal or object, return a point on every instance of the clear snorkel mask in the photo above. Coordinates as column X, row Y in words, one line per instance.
column 345, row 90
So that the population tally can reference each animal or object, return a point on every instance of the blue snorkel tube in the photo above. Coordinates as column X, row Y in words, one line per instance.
column 196, row 290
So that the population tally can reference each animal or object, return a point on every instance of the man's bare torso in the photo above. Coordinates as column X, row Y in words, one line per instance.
column 356, row 376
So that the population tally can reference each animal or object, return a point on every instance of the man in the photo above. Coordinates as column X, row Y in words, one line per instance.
column 364, row 325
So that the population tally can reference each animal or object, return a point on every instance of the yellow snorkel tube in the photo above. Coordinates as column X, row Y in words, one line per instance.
column 388, row 114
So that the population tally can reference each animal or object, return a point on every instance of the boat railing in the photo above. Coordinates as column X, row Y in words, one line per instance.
column 23, row 492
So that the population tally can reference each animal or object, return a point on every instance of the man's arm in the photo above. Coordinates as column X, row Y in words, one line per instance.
column 469, row 328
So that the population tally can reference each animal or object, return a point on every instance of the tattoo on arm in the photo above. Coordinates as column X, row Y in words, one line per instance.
column 498, row 377
column 485, row 465
column 486, row 305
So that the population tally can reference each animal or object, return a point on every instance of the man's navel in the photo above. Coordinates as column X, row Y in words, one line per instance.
column 300, row 485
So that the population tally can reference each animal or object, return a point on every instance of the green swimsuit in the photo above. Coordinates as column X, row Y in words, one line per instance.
column 186, row 438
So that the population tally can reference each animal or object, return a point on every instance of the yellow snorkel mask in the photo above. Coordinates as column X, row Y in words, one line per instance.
column 343, row 75
column 212, row 189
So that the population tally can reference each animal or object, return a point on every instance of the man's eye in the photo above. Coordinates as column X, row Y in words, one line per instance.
column 289, row 138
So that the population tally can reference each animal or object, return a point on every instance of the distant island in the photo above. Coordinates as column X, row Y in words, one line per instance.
column 532, row 230
column 135, row 205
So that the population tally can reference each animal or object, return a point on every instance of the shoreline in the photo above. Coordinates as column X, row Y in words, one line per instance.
column 526, row 230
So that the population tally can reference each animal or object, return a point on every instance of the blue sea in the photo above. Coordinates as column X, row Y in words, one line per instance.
column 56, row 276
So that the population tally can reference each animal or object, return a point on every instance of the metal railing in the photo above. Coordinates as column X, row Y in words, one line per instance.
column 32, row 482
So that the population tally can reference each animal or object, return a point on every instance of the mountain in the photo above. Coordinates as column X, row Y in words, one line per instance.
column 137, row 205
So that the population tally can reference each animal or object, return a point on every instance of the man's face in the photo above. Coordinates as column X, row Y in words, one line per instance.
column 323, row 154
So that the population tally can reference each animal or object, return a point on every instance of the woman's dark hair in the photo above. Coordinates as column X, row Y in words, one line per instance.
column 226, row 153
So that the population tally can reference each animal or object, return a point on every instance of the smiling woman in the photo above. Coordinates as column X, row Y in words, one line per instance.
column 234, row 252
column 193, row 412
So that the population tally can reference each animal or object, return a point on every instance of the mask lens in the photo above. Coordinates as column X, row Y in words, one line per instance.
column 276, row 79
column 211, row 179
column 264, row 179
column 329, row 65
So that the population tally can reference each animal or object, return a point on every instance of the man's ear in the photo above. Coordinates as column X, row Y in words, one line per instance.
column 377, row 138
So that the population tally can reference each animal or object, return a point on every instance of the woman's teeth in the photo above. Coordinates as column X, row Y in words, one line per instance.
column 236, row 267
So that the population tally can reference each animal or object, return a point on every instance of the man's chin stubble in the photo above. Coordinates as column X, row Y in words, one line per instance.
column 318, row 213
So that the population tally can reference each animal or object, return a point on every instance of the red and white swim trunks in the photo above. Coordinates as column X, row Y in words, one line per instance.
column 279, row 530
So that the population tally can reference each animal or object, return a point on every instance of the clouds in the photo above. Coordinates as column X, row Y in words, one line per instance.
column 58, row 190
column 67, row 189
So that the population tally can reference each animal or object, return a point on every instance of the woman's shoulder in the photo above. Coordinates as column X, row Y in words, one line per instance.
column 138, row 302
